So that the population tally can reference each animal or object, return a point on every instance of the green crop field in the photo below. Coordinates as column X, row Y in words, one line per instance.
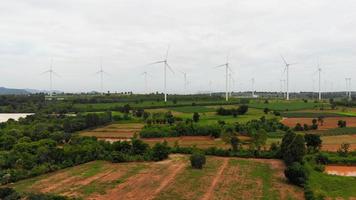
column 284, row 105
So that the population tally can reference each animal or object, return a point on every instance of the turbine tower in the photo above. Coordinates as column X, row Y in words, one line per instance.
column 166, row 65
column 348, row 88
column 51, row 72
column 253, row 87
column 210, row 88
column 319, row 87
column 145, row 74
column 227, row 69
column 286, row 69
column 101, row 72
column 185, row 81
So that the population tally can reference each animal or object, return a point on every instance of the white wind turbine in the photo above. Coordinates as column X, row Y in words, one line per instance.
column 319, row 80
column 101, row 72
column 51, row 72
column 253, row 87
column 210, row 88
column 348, row 88
column 185, row 81
column 286, row 69
column 166, row 65
column 227, row 69
column 145, row 74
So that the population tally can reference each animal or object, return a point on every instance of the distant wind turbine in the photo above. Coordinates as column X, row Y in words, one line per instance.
column 102, row 73
column 348, row 88
column 253, row 87
column 210, row 88
column 319, row 87
column 145, row 74
column 286, row 69
column 166, row 65
column 227, row 69
column 51, row 72
column 185, row 81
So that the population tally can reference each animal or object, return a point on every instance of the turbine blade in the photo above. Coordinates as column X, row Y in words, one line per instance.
column 56, row 74
column 220, row 66
column 284, row 60
column 153, row 63
column 167, row 51
column 169, row 67
column 45, row 72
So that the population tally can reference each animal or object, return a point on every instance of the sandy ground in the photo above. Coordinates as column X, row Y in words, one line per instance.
column 329, row 123
column 341, row 170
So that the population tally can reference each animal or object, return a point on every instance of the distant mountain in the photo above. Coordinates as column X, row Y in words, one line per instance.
column 4, row 90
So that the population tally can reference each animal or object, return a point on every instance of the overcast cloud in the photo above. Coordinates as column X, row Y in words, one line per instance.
column 127, row 34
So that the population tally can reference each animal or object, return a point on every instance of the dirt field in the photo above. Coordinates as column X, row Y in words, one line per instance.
column 114, row 132
column 341, row 170
column 332, row 143
column 329, row 123
column 221, row 178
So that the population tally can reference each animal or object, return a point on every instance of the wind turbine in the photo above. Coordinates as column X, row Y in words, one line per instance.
column 231, row 83
column 185, row 81
column 166, row 65
column 348, row 88
column 210, row 87
column 253, row 87
column 286, row 69
column 102, row 73
column 51, row 72
column 319, row 87
column 283, row 87
column 227, row 69
column 145, row 74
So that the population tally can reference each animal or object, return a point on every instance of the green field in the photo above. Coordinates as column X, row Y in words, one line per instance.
column 332, row 186
column 280, row 105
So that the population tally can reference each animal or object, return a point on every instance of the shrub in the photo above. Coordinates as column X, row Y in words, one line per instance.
column 160, row 151
column 197, row 160
column 296, row 174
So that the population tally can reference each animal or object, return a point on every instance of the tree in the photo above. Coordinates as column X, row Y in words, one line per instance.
column 296, row 174
column 259, row 138
column 169, row 117
column 292, row 148
column 197, row 160
column 234, row 141
column 242, row 109
column 341, row 124
column 160, row 151
column 196, row 117
column 313, row 142
column 266, row 110
column 321, row 120
column 344, row 149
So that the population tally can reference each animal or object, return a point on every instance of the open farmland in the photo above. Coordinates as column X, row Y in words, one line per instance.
column 329, row 122
column 221, row 178
column 285, row 105
column 114, row 132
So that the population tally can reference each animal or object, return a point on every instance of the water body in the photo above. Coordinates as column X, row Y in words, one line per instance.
column 6, row 116
column 341, row 170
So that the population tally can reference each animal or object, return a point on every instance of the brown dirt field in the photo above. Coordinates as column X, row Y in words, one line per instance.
column 329, row 122
column 145, row 185
column 209, row 194
column 341, row 170
column 114, row 131
column 332, row 143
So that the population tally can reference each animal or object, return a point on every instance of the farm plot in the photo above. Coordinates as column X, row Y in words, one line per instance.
column 221, row 178
column 329, row 122
column 114, row 132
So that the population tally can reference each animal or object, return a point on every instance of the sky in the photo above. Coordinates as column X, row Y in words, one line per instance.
column 128, row 34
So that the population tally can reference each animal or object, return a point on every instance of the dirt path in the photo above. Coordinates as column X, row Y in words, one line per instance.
column 167, row 181
column 147, row 184
column 209, row 194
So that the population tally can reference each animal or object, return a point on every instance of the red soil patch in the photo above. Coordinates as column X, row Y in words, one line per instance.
column 341, row 170
column 329, row 122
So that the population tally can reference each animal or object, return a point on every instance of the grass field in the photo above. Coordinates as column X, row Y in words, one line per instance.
column 221, row 178
column 280, row 105
column 333, row 187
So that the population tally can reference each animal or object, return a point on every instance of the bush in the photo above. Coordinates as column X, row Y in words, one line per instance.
column 197, row 160
column 160, row 151
column 297, row 174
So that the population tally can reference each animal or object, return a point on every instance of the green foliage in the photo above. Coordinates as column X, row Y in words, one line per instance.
column 297, row 174
column 313, row 142
column 197, row 160
column 292, row 148
column 160, row 151
column 233, row 111
column 196, row 117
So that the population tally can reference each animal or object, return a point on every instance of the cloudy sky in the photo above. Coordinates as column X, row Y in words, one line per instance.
column 128, row 34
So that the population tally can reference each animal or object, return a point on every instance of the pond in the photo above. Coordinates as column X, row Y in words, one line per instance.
column 6, row 116
column 341, row 170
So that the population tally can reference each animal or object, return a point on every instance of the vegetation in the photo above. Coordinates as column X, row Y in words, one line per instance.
column 197, row 160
